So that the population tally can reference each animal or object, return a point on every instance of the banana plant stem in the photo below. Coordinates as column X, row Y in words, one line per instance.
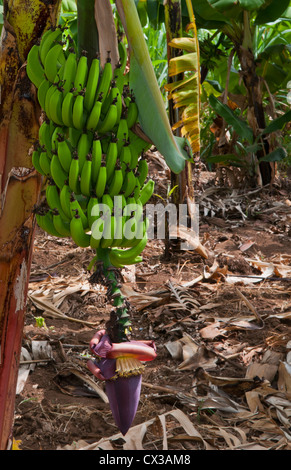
column 119, row 323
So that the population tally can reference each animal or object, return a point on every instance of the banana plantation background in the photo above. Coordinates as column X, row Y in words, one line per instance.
column 222, row 375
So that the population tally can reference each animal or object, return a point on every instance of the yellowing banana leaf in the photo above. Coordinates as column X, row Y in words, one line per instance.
column 184, row 63
column 188, row 81
column 152, row 113
column 185, row 98
column 187, row 44
column 185, row 93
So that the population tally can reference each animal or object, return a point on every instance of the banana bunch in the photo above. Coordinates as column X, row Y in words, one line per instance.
column 87, row 150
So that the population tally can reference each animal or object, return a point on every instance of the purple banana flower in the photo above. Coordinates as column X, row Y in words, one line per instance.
column 121, row 367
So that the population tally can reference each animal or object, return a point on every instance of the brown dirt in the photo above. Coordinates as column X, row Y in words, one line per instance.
column 55, row 408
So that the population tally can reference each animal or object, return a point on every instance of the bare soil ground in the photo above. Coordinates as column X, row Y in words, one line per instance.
column 221, row 324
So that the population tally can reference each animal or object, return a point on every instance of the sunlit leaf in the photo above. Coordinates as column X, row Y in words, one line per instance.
column 186, row 44
column 185, row 93
column 184, row 63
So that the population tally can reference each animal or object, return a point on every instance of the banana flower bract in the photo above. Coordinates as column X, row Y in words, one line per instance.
column 120, row 365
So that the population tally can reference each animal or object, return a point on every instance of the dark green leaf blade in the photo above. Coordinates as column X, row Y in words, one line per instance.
column 239, row 126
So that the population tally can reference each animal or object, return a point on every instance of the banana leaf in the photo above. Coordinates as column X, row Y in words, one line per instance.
column 241, row 127
column 278, row 124
column 187, row 44
column 272, row 11
column 185, row 63
column 275, row 156
column 185, row 93
column 152, row 113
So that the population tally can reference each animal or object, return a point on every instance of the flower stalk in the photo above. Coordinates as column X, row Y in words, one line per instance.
column 119, row 325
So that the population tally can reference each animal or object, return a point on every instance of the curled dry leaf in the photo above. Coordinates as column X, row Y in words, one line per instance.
column 134, row 438
column 231, row 385
column 72, row 381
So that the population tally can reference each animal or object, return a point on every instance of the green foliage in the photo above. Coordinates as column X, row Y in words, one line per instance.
column 157, row 45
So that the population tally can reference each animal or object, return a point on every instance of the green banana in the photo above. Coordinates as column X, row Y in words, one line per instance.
column 45, row 163
column 47, row 42
column 85, row 181
column 64, row 153
column 62, row 226
column 105, row 80
column 96, row 158
column 75, row 208
column 92, row 84
column 108, row 201
column 91, row 210
column 127, row 256
column 84, row 147
column 34, row 69
column 96, row 232
column 142, row 171
column 146, row 192
column 78, row 111
column 78, row 234
column 121, row 134
column 116, row 183
column 134, row 156
column 108, row 232
column 65, row 198
column 101, row 180
column 53, row 199
column 74, row 136
column 35, row 161
column 42, row 91
column 114, row 260
column 55, row 135
column 81, row 73
column 67, row 109
column 53, row 61
column 125, row 156
column 118, row 232
column 55, row 106
column 118, row 74
column 119, row 77
column 58, row 174
column 44, row 136
column 113, row 95
column 136, row 191
column 132, row 113
column 129, row 182
column 69, row 71
column 44, row 37
column 48, row 96
column 74, row 174
column 110, row 119
column 45, row 221
column 59, row 76
column 111, row 157
column 94, row 116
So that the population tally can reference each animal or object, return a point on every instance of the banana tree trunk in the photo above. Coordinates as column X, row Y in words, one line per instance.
column 173, row 21
column 256, row 114
column 20, row 185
